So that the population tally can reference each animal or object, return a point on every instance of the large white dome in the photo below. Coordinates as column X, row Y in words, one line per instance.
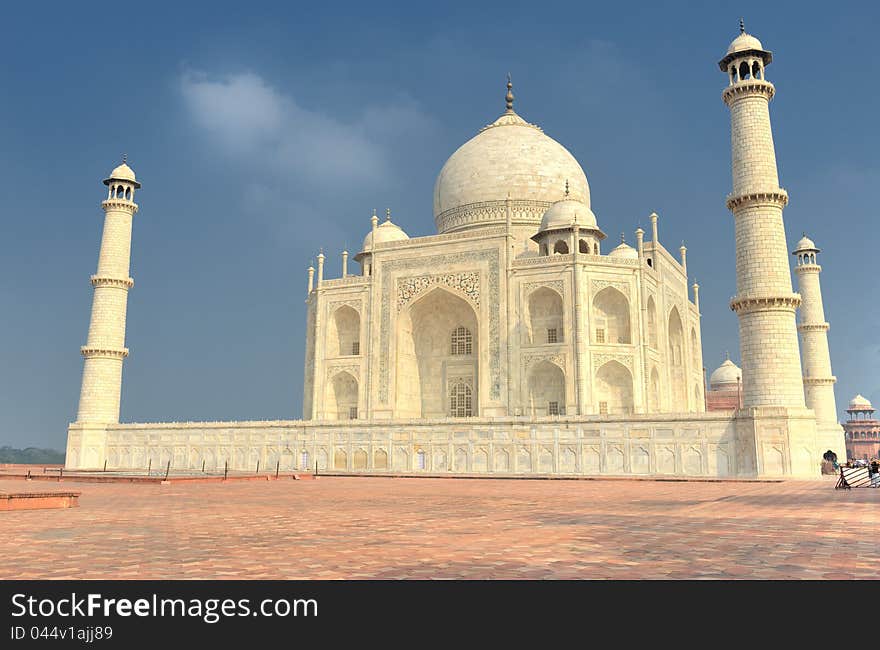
column 508, row 158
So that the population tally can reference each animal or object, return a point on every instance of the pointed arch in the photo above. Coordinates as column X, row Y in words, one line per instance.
column 614, row 389
column 560, row 247
column 652, row 323
column 423, row 374
column 675, row 333
column 546, row 389
column 341, row 401
column 545, row 316
column 611, row 315
column 343, row 333
column 654, row 391
column 695, row 350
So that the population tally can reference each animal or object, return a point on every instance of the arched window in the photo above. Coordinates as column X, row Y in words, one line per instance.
column 743, row 71
column 544, row 317
column 583, row 246
column 560, row 248
column 755, row 70
column 652, row 323
column 341, row 400
column 546, row 384
column 462, row 341
column 344, row 333
column 611, row 317
column 650, row 263
column 128, row 192
column 460, row 401
column 120, row 192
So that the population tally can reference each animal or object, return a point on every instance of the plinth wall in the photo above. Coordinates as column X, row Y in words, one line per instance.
column 772, row 442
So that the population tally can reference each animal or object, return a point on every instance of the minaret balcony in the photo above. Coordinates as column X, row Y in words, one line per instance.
column 117, row 283
column 116, row 204
column 107, row 353
column 745, row 304
column 748, row 87
column 776, row 196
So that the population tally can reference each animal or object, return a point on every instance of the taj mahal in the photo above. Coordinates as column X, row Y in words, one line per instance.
column 521, row 338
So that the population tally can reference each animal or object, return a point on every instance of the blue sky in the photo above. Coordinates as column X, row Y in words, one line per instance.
column 263, row 131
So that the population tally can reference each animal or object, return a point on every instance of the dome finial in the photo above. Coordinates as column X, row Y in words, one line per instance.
column 742, row 26
column 566, row 187
column 124, row 158
column 387, row 214
column 509, row 97
column 623, row 238
column 727, row 354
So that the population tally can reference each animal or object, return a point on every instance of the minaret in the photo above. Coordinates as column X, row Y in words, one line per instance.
column 105, row 347
column 818, row 380
column 764, row 302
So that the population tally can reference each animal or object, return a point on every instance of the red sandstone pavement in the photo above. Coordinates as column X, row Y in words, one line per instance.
column 382, row 528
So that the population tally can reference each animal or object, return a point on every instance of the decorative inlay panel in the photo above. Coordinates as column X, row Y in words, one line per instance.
column 600, row 359
column 598, row 285
column 354, row 304
column 488, row 212
column 556, row 285
column 467, row 283
column 353, row 369
column 528, row 360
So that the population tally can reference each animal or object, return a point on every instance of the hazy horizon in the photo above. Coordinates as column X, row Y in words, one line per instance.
column 263, row 132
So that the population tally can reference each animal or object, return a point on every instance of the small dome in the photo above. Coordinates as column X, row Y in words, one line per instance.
column 567, row 213
column 744, row 42
column 727, row 374
column 859, row 403
column 805, row 244
column 624, row 251
column 122, row 173
column 387, row 231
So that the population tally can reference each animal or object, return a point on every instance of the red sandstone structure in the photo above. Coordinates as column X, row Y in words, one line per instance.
column 861, row 430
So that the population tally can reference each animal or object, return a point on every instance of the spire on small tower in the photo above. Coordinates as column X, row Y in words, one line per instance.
column 509, row 97
column 623, row 238
column 387, row 214
column 124, row 158
column 742, row 26
column 566, row 188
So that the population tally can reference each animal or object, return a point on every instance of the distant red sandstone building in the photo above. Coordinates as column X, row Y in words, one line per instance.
column 725, row 388
column 861, row 430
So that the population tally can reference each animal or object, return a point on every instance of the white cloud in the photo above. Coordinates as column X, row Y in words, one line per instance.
column 275, row 137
